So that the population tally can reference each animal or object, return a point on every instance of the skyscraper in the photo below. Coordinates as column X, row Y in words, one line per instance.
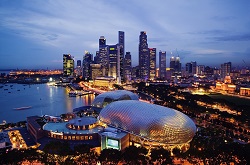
column 162, row 65
column 87, row 60
column 127, row 67
column 172, row 62
column 112, row 53
column 68, row 65
column 95, row 71
column 143, row 57
column 152, row 63
column 78, row 68
column 175, row 65
column 103, row 56
column 225, row 69
column 121, row 43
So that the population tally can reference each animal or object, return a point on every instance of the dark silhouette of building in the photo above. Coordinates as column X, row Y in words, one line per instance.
column 162, row 64
column 127, row 67
column 144, row 63
column 87, row 60
column 121, row 43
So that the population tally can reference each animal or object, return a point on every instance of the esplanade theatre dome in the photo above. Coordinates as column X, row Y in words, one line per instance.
column 153, row 122
column 105, row 98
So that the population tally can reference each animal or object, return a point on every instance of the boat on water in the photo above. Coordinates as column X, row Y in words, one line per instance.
column 72, row 94
column 22, row 108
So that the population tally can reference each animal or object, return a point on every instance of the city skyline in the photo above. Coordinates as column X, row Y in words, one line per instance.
column 36, row 34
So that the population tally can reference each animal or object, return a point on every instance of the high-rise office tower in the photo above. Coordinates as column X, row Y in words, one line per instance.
column 112, row 53
column 162, row 65
column 127, row 67
column 200, row 70
column 103, row 56
column 152, row 63
column 189, row 68
column 95, row 71
column 178, row 65
column 96, row 58
column 143, row 57
column 175, row 66
column 194, row 65
column 68, row 65
column 225, row 69
column 87, row 60
column 121, row 43
column 78, row 68
column 172, row 63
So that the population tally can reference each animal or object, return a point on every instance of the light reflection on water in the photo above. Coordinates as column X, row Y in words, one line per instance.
column 44, row 99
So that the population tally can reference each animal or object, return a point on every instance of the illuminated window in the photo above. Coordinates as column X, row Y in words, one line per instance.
column 86, row 137
column 90, row 137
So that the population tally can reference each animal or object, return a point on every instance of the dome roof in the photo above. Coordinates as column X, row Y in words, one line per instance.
column 158, row 123
column 105, row 98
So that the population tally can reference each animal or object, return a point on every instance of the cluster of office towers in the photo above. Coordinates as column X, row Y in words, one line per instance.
column 113, row 61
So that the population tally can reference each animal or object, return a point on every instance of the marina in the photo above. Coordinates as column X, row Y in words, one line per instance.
column 37, row 99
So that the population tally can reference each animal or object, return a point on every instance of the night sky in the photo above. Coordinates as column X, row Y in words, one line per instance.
column 36, row 34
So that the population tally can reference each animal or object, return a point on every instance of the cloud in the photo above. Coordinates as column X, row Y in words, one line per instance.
column 240, row 37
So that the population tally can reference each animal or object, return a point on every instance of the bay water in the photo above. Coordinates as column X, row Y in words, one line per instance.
column 41, row 99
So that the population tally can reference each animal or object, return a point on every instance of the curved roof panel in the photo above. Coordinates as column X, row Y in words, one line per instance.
column 158, row 123
column 105, row 98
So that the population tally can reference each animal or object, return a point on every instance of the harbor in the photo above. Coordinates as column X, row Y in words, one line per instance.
column 38, row 99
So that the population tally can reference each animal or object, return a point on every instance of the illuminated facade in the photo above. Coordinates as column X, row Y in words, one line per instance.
column 95, row 71
column 225, row 69
column 68, row 65
column 113, row 65
column 144, row 65
column 106, row 98
column 103, row 56
column 123, row 121
column 152, row 56
column 244, row 91
column 154, row 124
column 104, row 81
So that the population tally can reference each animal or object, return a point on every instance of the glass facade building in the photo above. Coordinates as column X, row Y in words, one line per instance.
column 153, row 122
column 68, row 65
column 143, row 57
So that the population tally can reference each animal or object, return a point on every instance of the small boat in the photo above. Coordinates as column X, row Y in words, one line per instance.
column 72, row 94
column 22, row 108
